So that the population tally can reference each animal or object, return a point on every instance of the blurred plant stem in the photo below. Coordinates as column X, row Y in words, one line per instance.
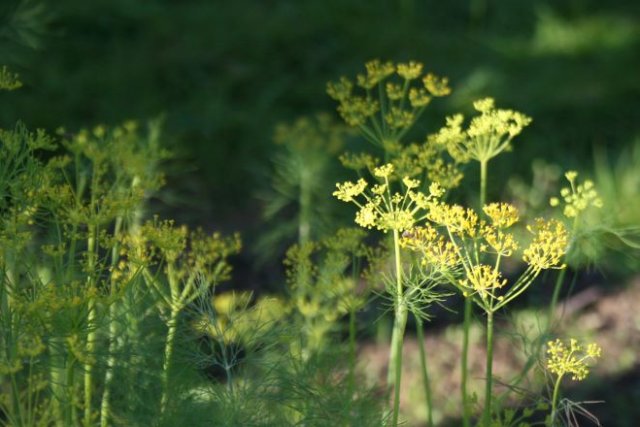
column 425, row 373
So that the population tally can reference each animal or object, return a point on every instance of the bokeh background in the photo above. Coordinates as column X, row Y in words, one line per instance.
column 223, row 74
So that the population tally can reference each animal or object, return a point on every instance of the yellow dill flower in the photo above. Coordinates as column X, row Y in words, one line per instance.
column 410, row 71
column 394, row 91
column 487, row 135
column 383, row 171
column 484, row 280
column 366, row 217
column 549, row 244
column 455, row 218
column 577, row 197
column 348, row 190
column 376, row 72
column 503, row 244
column 356, row 110
column 387, row 118
column 419, row 97
column 410, row 183
column 573, row 359
column 437, row 86
column 438, row 252
column 396, row 220
column 340, row 90
column 503, row 215
column 382, row 208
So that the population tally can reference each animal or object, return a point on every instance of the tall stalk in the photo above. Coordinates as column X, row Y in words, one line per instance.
column 304, row 219
column 400, row 322
column 489, row 371
column 466, row 410
column 113, row 331
column 425, row 372
column 554, row 400
column 92, row 317
column 168, row 354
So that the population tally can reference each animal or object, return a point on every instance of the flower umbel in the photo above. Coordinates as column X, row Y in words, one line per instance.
column 577, row 197
column 573, row 359
column 549, row 244
column 383, row 209
column 399, row 98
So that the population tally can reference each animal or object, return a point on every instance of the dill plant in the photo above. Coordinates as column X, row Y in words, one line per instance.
column 383, row 106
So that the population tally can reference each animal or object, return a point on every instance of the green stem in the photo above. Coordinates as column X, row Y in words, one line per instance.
column 556, row 295
column 168, row 353
column 113, row 331
column 71, row 414
column 352, row 351
column 483, row 184
column 489, row 371
column 88, row 366
column 425, row 373
column 554, row 401
column 304, row 221
column 466, row 409
column 400, row 321
column 92, row 330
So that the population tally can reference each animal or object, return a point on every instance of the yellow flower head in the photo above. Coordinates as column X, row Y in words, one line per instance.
column 484, row 280
column 340, row 90
column 572, row 359
column 410, row 71
column 503, row 244
column 437, row 86
column 419, row 97
column 503, row 215
column 577, row 197
column 549, row 244
column 348, row 190
column 394, row 91
column 383, row 171
column 456, row 218
column 437, row 251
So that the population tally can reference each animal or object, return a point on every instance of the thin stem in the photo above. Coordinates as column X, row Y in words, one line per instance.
column 483, row 183
column 92, row 317
column 556, row 295
column 466, row 410
column 489, row 371
column 113, row 330
column 168, row 353
column 400, row 322
column 304, row 220
column 352, row 351
column 554, row 400
column 425, row 373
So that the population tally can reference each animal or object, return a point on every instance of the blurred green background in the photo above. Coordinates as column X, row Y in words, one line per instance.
column 223, row 74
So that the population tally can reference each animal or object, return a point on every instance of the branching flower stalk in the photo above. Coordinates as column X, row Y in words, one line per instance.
column 575, row 200
column 459, row 245
column 385, row 210
column 388, row 105
column 487, row 135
